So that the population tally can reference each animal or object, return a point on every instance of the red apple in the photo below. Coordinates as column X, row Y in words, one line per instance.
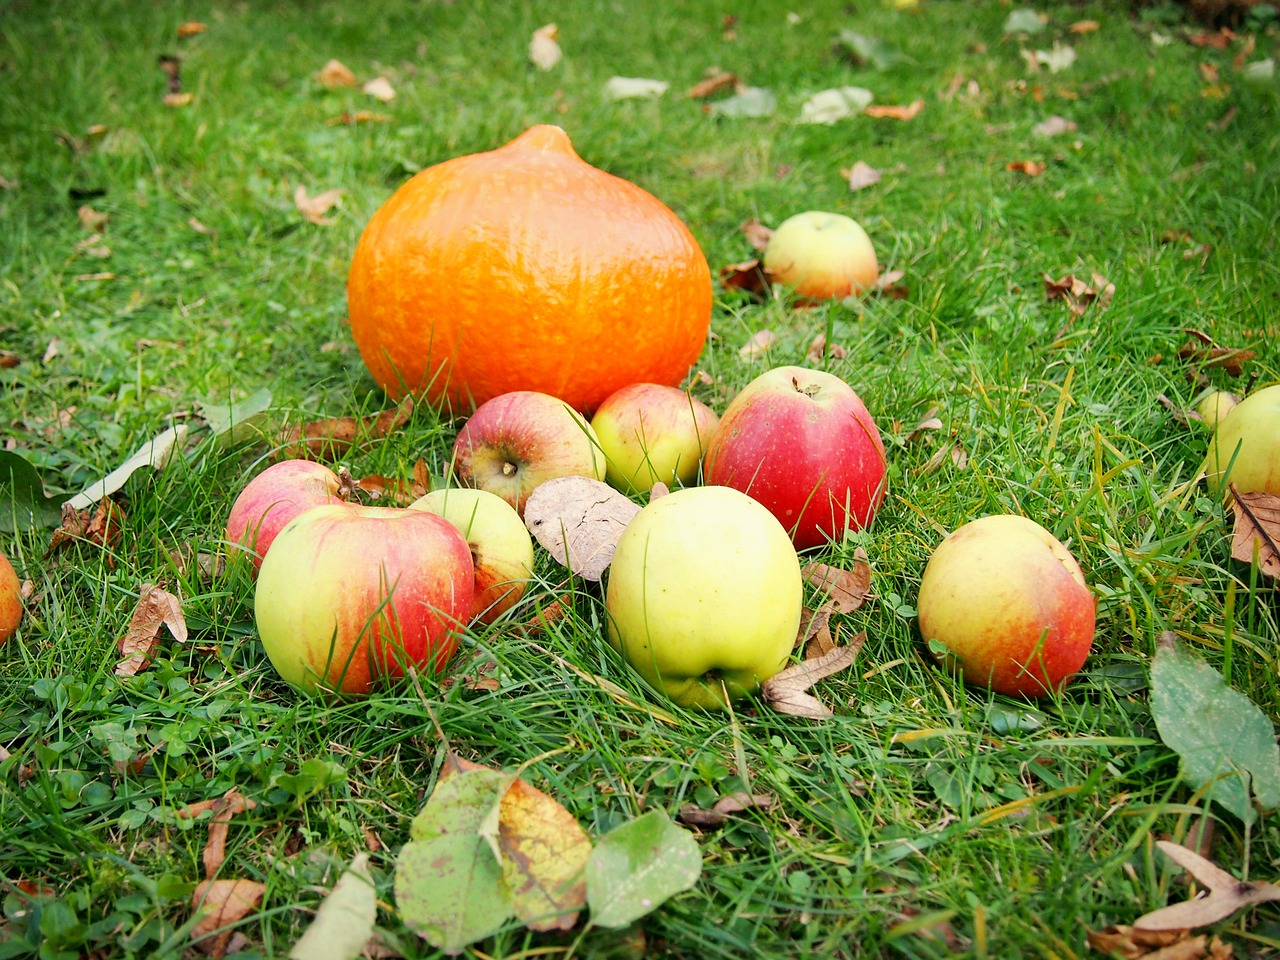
column 822, row 256
column 520, row 439
column 10, row 599
column 802, row 443
column 273, row 498
column 501, row 548
column 349, row 595
column 650, row 432
column 1010, row 605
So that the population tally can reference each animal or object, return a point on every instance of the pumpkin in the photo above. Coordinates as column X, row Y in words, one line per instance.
column 526, row 268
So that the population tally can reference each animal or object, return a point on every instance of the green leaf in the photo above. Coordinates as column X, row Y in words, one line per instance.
column 869, row 50
column 1224, row 740
column 240, row 422
column 464, row 803
column 344, row 923
column 23, row 505
column 450, row 890
column 638, row 866
column 751, row 102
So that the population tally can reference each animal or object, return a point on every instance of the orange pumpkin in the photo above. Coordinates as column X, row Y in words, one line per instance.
column 526, row 268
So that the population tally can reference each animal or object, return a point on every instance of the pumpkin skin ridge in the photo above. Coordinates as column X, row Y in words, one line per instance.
column 565, row 320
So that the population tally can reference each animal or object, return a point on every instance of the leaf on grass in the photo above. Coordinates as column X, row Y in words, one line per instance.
column 846, row 590
column 634, row 88
column 887, row 285
column 1056, row 59
column 814, row 633
column 101, row 528
column 1133, row 944
column 335, row 436
column 381, row 90
column 344, row 922
column 221, row 903
column 394, row 489
column 928, row 422
column 953, row 451
column 23, row 504
column 747, row 102
column 172, row 68
column 861, row 175
column 156, row 453
column 724, row 808
column 544, row 47
column 786, row 692
column 1227, row 745
column 156, row 609
column 230, row 804
column 1202, row 351
column 831, row 106
column 335, row 74
column 716, row 81
column 1081, row 27
column 638, row 866
column 1226, row 895
column 239, row 421
column 866, row 51
column 578, row 520
column 1077, row 294
column 9, row 359
column 1256, row 537
column 757, row 234
column 1024, row 20
column 91, row 219
column 359, row 117
column 748, row 276
column 178, row 99
column 1054, row 126
column 1032, row 168
column 820, row 350
column 190, row 29
column 315, row 208
column 758, row 344
column 891, row 112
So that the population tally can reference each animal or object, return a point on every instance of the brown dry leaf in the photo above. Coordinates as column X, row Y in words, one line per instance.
column 190, row 29
column 726, row 806
column 954, row 451
column 380, row 89
column 757, row 234
column 846, row 590
column 1218, row 41
column 887, row 285
column 172, row 69
column 578, row 520
column 9, row 360
column 394, row 489
column 315, row 208
column 91, row 219
column 786, row 692
column 818, row 350
column 178, row 99
column 536, row 625
column 815, row 632
column 1054, row 126
column 1032, row 168
column 758, row 344
column 715, row 82
column 909, row 112
column 544, row 47
column 335, row 436
column 360, row 116
column 1084, row 26
column 1226, row 895
column 224, row 808
column 1257, row 530
column 861, row 175
column 1077, row 294
column 1206, row 353
column 928, row 422
column 102, row 528
column 156, row 608
column 1209, row 72
column 335, row 74
column 749, row 276
column 199, row 227
column 222, row 903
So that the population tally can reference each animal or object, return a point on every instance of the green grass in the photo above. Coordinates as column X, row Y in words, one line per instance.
column 874, row 828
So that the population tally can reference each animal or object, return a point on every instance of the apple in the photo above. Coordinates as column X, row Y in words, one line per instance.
column 650, row 432
column 802, row 443
column 10, row 599
column 1010, row 605
column 273, row 498
column 517, row 440
column 1215, row 405
column 822, row 256
column 1245, row 449
column 704, row 595
column 501, row 548
column 350, row 594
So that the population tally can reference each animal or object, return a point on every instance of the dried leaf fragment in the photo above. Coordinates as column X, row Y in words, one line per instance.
column 758, row 344
column 748, row 276
column 715, row 82
column 190, row 29
column 544, row 47
column 846, row 590
column 344, row 922
column 814, row 633
column 1032, row 168
column 786, row 692
column 1077, row 294
column 230, row 804
column 336, row 435
column 92, row 219
column 1257, row 530
column 359, row 117
column 315, row 208
column 578, row 520
column 1054, row 126
column 102, row 528
column 222, row 903
column 757, row 234
column 1226, row 896
column 819, row 349
column 904, row 113
column 635, row 88
column 380, row 89
column 156, row 609
column 335, row 74
column 861, row 175
column 1084, row 26
column 178, row 99
column 725, row 807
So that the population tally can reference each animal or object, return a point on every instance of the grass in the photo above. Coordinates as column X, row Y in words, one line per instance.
column 890, row 836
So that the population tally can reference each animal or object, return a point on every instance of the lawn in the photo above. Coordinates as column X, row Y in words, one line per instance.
column 158, row 271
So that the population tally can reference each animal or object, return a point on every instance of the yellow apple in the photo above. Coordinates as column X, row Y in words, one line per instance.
column 1245, row 449
column 704, row 595
column 650, row 432
column 1215, row 405
column 822, row 256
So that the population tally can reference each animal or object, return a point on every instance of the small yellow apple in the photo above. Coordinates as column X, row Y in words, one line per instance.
column 1214, row 406
column 1245, row 449
column 822, row 256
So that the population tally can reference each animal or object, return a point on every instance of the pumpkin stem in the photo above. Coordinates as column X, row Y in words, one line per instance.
column 544, row 136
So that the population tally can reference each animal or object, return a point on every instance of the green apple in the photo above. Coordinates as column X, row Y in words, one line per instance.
column 704, row 595
column 822, row 256
column 1245, row 449
column 501, row 548
column 650, row 432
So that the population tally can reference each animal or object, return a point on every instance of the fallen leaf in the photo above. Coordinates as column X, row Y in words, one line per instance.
column 1218, row 41
column 909, row 112
column 553, row 612
column 928, row 422
column 758, row 344
column 1053, row 127
column 1226, row 895
column 757, row 234
column 786, row 692
column 638, row 866
column 335, row 74
column 9, row 360
column 337, row 435
column 725, row 807
column 544, row 48
column 1084, row 26
column 1243, row 54
column 91, row 219
column 1207, row 353
column 846, row 590
column 1057, row 59
column 344, row 921
column 747, row 102
column 156, row 608
column 748, row 276
column 729, row 27
column 190, row 29
column 578, row 520
column 360, row 116
column 396, row 490
column 887, row 285
column 831, row 106
column 178, row 99
column 156, row 453
column 380, row 89
column 1077, row 294
column 315, row 208
column 1209, row 72
column 659, row 489
column 199, row 227
column 221, row 903
column 814, row 634
column 716, row 81
column 230, row 804
column 172, row 69
column 1256, row 537
column 861, row 175
column 1032, row 168
column 634, row 88
column 1024, row 20
column 955, row 452
column 820, row 350
column 863, row 50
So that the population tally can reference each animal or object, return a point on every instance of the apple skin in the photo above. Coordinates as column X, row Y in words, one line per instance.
column 650, row 432
column 348, row 594
column 801, row 442
column 501, row 548
column 1253, row 425
column 704, row 587
column 1010, row 604
column 822, row 256
column 273, row 498
column 1214, row 406
column 515, row 441
column 10, row 599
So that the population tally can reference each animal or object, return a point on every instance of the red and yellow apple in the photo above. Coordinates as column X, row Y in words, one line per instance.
column 518, row 440
column 801, row 442
column 822, row 256
column 349, row 595
column 650, row 432
column 501, row 548
column 704, row 595
column 1245, row 449
column 1009, row 604
column 273, row 498
column 10, row 599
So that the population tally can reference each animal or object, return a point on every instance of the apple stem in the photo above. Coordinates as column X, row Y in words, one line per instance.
column 509, row 469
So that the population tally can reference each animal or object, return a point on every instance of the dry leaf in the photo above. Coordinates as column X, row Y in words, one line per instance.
column 749, row 276
column 1054, row 126
column 659, row 489
column 156, row 608
column 1226, row 895
column 1257, row 530
column 1218, row 41
column 544, row 50
column 955, row 452
column 394, row 489
column 335, row 74
column 634, row 88
column 178, row 99
column 1134, row 944
column 9, row 360
column 222, row 903
column 172, row 69
column 315, row 208
column 190, row 29
column 928, row 422
column 380, row 89
column 578, row 520
column 861, row 175
column 1078, row 294
column 846, row 590
column 759, row 343
column 715, row 82
column 1084, row 26
column 102, row 528
column 224, row 808
column 757, row 234
column 814, row 634
column 536, row 625
column 360, row 116
column 91, row 219
column 1208, row 354
column 335, row 436
column 909, row 112
column 1032, row 168
column 887, row 285
column 818, row 350
column 786, row 692
column 726, row 806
